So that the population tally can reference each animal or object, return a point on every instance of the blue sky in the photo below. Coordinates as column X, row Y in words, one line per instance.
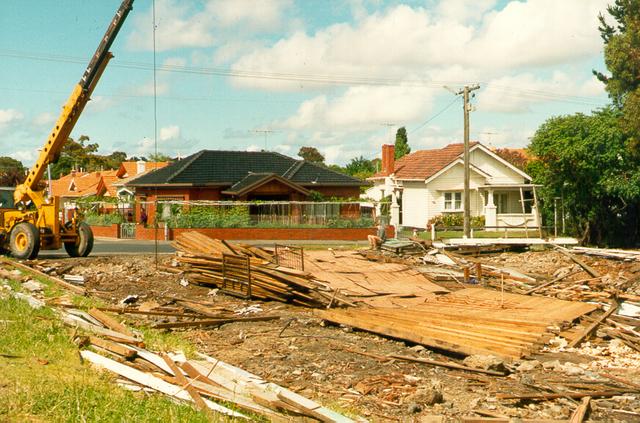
column 341, row 76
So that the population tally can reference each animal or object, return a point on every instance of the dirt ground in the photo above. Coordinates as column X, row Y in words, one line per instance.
column 330, row 364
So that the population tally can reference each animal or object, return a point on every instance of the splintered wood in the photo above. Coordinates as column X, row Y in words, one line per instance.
column 208, row 383
column 470, row 321
column 219, row 263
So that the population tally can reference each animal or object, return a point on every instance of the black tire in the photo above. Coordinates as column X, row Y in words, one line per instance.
column 25, row 241
column 84, row 243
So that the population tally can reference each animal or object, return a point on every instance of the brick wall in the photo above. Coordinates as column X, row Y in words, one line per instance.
column 111, row 231
column 319, row 234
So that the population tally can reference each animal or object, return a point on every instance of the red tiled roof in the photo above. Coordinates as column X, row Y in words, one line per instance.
column 129, row 169
column 423, row 164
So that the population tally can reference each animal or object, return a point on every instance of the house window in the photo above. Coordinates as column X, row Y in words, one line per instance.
column 452, row 201
column 502, row 203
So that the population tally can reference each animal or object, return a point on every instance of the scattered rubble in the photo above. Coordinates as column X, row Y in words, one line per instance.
column 390, row 379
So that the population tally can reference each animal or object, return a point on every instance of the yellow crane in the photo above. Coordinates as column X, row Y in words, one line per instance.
column 34, row 221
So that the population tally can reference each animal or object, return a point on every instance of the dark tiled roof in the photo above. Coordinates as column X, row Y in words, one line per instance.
column 255, row 180
column 311, row 173
column 250, row 179
column 210, row 167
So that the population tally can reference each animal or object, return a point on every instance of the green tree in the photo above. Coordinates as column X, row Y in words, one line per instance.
column 82, row 154
column 311, row 154
column 402, row 143
column 360, row 167
column 159, row 157
column 584, row 160
column 622, row 58
column 12, row 172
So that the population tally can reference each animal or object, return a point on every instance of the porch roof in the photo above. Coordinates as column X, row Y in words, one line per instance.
column 510, row 186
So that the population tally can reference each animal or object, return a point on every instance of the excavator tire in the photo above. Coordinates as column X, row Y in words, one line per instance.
column 84, row 243
column 24, row 241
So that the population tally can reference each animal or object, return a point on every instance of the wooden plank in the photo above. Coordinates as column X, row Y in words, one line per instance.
column 442, row 341
column 254, row 382
column 447, row 364
column 214, row 322
column 58, row 281
column 594, row 273
column 109, row 321
column 113, row 347
column 186, row 385
column 152, row 382
column 592, row 394
column 621, row 380
column 581, row 412
column 75, row 321
column 551, row 282
column 587, row 331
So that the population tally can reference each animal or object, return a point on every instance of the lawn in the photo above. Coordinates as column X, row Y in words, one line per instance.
column 43, row 379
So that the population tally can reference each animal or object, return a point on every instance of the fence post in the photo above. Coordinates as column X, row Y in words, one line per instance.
column 433, row 232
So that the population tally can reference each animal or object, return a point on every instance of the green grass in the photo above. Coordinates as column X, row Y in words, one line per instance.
column 47, row 381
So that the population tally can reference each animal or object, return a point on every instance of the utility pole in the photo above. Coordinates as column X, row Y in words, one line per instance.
column 467, row 173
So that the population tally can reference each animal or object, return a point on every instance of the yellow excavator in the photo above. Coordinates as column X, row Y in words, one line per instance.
column 34, row 220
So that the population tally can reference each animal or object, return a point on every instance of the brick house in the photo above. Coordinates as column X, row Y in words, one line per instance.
column 218, row 175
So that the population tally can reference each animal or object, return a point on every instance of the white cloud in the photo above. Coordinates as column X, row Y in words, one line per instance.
column 99, row 103
column 403, row 40
column 362, row 108
column 539, row 33
column 464, row 10
column 169, row 133
column 9, row 117
column 253, row 147
column 45, row 118
column 505, row 136
column 517, row 93
column 257, row 14
column 282, row 148
column 177, row 26
column 25, row 156
column 181, row 24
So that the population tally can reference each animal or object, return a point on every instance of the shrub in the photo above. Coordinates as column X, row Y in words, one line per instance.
column 96, row 219
column 456, row 219
column 210, row 217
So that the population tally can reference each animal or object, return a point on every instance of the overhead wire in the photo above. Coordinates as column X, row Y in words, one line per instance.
column 333, row 79
column 444, row 109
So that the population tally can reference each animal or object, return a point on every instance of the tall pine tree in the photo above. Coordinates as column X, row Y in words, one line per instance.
column 402, row 144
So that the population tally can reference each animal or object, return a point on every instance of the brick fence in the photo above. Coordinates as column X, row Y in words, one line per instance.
column 310, row 234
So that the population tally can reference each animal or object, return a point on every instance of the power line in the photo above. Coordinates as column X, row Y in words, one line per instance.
column 335, row 79
column 435, row 116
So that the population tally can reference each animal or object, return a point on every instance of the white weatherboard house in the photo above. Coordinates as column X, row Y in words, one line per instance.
column 428, row 183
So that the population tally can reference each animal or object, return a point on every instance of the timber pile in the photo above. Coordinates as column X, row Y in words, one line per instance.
column 470, row 321
column 625, row 255
column 259, row 279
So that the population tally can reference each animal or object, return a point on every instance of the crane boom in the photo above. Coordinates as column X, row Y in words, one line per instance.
column 71, row 110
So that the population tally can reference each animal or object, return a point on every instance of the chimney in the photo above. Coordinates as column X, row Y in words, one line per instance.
column 140, row 166
column 388, row 159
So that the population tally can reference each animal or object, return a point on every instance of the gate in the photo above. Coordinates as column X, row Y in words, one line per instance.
column 289, row 256
column 128, row 231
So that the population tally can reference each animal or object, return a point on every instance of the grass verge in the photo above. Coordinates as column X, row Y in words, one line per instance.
column 42, row 378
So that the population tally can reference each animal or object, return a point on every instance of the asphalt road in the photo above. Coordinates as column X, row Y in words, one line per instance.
column 112, row 247
column 108, row 247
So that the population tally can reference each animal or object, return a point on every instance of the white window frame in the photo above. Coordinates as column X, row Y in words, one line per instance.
column 451, row 199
